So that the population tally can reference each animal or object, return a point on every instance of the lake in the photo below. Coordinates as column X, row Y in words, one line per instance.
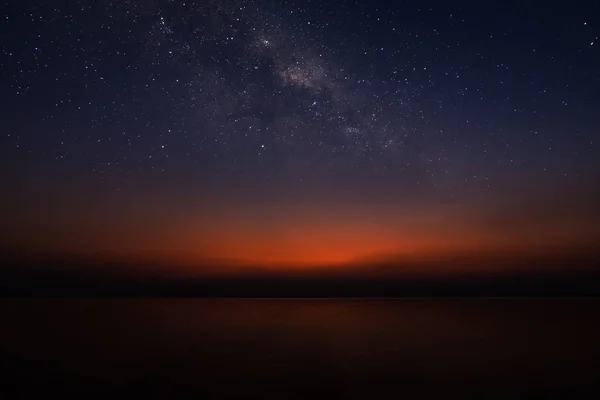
column 301, row 348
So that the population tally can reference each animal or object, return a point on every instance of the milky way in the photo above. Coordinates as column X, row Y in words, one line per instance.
column 272, row 87
column 239, row 84
column 405, row 103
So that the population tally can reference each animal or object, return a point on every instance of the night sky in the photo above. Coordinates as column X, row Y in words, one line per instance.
column 299, row 132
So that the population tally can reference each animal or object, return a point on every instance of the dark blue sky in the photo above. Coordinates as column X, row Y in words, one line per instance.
column 392, row 107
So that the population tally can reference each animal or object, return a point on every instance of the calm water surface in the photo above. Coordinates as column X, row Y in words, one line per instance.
column 242, row 348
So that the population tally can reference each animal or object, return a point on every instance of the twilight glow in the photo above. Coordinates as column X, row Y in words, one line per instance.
column 298, row 135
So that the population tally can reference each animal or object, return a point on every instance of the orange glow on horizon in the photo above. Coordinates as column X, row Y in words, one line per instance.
column 286, row 235
column 315, row 243
column 319, row 247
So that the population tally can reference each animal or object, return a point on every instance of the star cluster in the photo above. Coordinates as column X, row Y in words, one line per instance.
column 131, row 84
column 412, row 98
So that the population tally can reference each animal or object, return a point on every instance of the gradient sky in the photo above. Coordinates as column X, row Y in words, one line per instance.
column 299, row 132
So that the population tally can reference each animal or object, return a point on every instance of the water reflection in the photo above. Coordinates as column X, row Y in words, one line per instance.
column 299, row 348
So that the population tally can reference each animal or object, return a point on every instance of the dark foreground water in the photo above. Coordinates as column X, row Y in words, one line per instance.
column 290, row 349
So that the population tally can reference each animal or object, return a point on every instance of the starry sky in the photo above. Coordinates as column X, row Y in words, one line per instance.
column 299, row 132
